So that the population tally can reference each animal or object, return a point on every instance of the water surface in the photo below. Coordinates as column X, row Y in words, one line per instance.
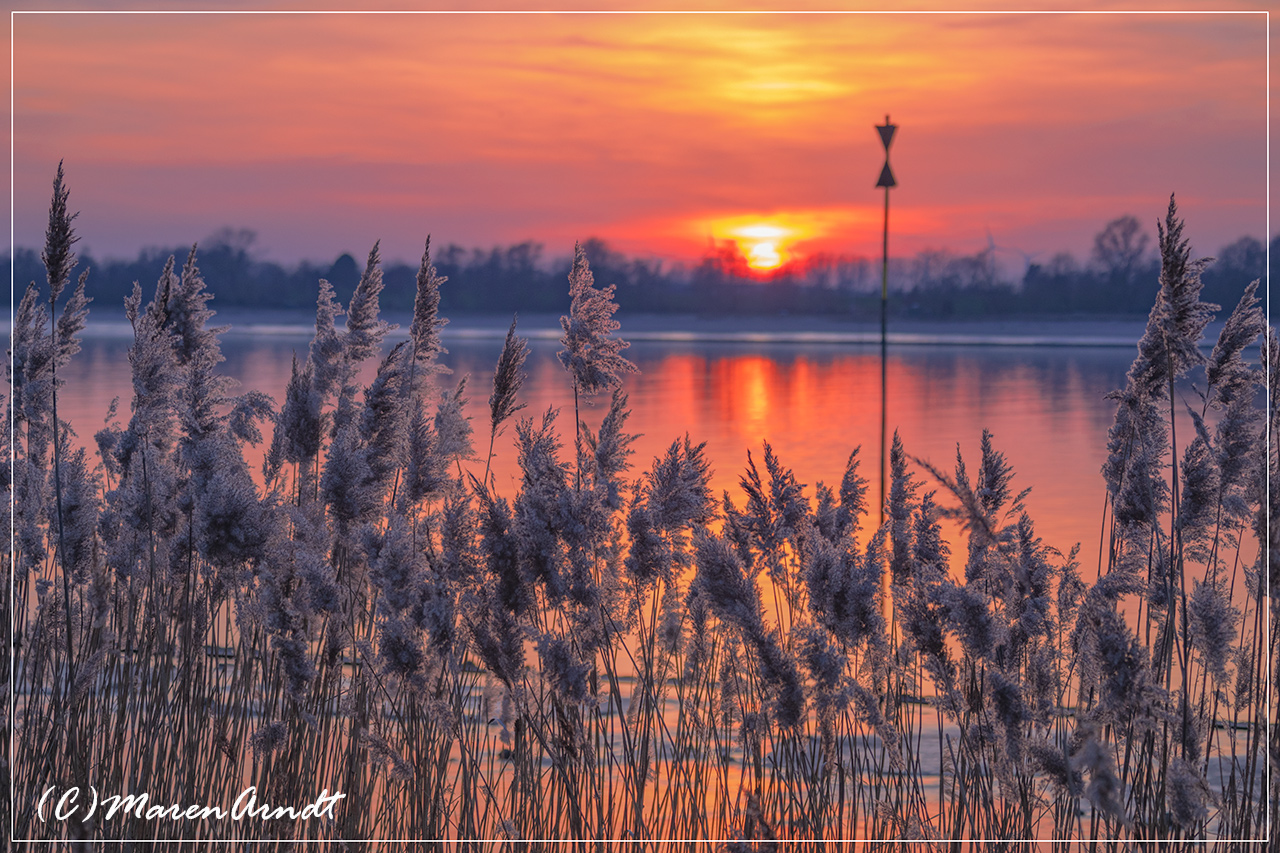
column 813, row 401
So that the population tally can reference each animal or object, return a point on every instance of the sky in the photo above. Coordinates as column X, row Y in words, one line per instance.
column 658, row 133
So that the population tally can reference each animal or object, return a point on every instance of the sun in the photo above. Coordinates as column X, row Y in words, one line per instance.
column 769, row 241
column 764, row 245
column 764, row 256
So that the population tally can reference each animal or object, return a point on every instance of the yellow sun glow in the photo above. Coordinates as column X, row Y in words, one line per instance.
column 763, row 256
column 769, row 241
column 765, row 245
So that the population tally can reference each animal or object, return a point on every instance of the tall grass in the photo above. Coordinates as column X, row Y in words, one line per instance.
column 615, row 652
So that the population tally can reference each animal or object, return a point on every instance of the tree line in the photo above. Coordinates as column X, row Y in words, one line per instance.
column 1118, row 278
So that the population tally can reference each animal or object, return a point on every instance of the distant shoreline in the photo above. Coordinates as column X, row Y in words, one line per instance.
column 678, row 329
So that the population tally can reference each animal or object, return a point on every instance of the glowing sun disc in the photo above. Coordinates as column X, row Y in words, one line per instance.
column 763, row 256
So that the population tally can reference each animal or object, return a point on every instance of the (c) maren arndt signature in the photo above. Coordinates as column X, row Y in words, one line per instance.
column 83, row 803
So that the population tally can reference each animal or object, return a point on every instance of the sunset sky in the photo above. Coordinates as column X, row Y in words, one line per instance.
column 655, row 132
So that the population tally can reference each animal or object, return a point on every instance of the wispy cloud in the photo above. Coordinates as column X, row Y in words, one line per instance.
column 494, row 128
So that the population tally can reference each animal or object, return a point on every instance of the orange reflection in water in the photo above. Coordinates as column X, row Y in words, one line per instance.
column 814, row 404
column 745, row 390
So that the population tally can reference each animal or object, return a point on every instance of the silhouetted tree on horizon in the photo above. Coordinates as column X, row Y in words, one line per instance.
column 1118, row 279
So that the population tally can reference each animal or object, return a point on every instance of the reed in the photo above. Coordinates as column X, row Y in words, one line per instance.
column 612, row 656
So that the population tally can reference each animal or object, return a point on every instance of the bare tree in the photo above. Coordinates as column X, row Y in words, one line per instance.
column 1120, row 248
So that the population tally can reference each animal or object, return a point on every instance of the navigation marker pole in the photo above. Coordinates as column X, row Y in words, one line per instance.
column 886, row 180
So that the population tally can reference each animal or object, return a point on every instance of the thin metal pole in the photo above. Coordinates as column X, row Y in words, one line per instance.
column 884, row 352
